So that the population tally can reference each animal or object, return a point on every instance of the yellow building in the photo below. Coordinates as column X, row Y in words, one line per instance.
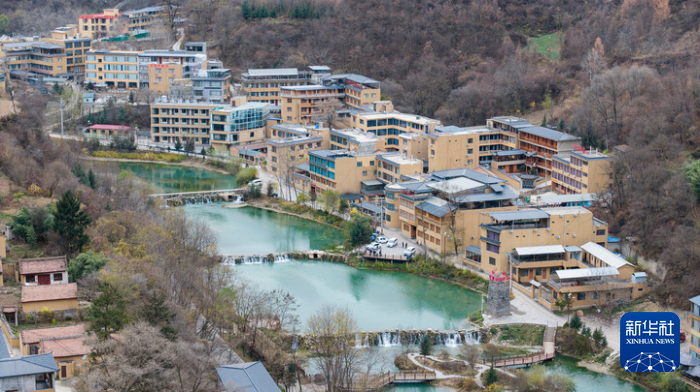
column 49, row 297
column 35, row 57
column 388, row 126
column 149, row 18
column 453, row 147
column 307, row 104
column 66, row 344
column 502, row 232
column 74, row 45
column 112, row 69
column 415, row 145
column 342, row 171
column 263, row 85
column 581, row 171
column 359, row 92
column 354, row 140
column 173, row 120
column 286, row 153
column 393, row 167
column 238, row 125
column 107, row 130
column 99, row 25
column 695, row 326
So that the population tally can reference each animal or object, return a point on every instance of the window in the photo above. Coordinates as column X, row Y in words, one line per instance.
column 30, row 278
column 696, row 325
column 492, row 261
column 493, row 248
column 600, row 232
column 523, row 273
column 581, row 296
column 364, row 173
column 252, row 134
column 694, row 341
column 538, row 271
column 57, row 277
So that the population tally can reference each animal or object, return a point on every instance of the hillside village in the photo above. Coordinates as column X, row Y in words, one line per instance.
column 529, row 209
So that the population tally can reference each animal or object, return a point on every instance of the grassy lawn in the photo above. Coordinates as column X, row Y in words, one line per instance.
column 548, row 45
column 528, row 335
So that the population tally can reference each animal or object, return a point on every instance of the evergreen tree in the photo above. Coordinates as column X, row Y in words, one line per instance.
column 360, row 231
column 178, row 144
column 576, row 322
column 157, row 313
column 544, row 121
column 70, row 223
column 108, row 312
column 425, row 345
column 85, row 264
column 491, row 376
column 245, row 10
column 92, row 182
column 102, row 118
column 189, row 144
column 561, row 124
column 131, row 97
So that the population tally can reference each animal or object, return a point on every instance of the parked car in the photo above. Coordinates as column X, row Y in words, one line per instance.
column 392, row 242
column 408, row 252
column 256, row 182
column 382, row 240
column 683, row 336
column 374, row 246
column 373, row 237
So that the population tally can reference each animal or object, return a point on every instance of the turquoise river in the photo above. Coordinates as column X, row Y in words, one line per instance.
column 379, row 300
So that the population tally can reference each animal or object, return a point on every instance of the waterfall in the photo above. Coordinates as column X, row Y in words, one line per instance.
column 361, row 343
column 453, row 339
column 295, row 343
column 238, row 199
column 388, row 339
column 254, row 260
column 283, row 258
column 472, row 337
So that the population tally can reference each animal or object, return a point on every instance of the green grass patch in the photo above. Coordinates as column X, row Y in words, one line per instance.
column 523, row 335
column 548, row 45
column 144, row 156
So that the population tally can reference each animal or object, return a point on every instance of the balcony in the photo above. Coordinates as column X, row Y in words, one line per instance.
column 516, row 226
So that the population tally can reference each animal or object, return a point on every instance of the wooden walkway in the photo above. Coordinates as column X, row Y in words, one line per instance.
column 407, row 377
column 367, row 255
column 545, row 354
column 691, row 383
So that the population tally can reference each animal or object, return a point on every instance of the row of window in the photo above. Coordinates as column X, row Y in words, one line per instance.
column 322, row 171
column 112, row 59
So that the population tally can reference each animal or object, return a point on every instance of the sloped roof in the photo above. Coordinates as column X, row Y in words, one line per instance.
column 518, row 215
column 27, row 365
column 42, row 266
column 49, row 292
column 695, row 300
column 579, row 273
column 604, row 255
column 4, row 350
column 548, row 133
column 66, row 347
column 246, row 377
column 33, row 336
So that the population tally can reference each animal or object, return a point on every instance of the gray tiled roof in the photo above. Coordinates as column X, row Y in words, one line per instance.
column 27, row 365
column 518, row 215
column 548, row 133
column 468, row 173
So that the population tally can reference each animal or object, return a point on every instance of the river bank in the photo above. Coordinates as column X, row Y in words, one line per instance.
column 187, row 162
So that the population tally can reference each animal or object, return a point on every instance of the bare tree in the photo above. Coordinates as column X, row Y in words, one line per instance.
column 328, row 112
column 331, row 334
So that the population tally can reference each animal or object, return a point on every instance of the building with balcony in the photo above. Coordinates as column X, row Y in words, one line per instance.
column 285, row 153
column 238, row 125
column 581, row 171
column 35, row 58
column 26, row 373
column 99, row 25
column 500, row 233
column 342, row 171
column 454, row 147
column 149, row 18
column 112, row 69
column 212, row 85
column 173, row 120
column 390, row 125
column 695, row 326
column 159, row 69
column 354, row 140
column 358, row 91
column 74, row 46
column 307, row 104
column 263, row 85
column 542, row 144
column 394, row 167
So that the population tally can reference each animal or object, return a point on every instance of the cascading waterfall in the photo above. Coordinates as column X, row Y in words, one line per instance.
column 448, row 339
column 254, row 259
column 283, row 258
column 388, row 339
column 472, row 337
column 398, row 338
column 360, row 342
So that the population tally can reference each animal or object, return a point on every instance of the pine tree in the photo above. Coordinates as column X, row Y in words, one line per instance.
column 92, row 182
column 178, row 144
column 491, row 376
column 157, row 313
column 107, row 312
column 544, row 121
column 70, row 223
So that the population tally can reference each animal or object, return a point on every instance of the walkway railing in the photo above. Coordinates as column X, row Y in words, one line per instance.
column 409, row 376
column 527, row 359
column 380, row 257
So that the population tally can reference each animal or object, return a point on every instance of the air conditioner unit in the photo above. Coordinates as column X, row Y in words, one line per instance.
column 575, row 215
column 472, row 237
column 574, row 235
column 511, row 231
column 549, row 229
column 561, row 216
column 558, row 237
column 535, row 230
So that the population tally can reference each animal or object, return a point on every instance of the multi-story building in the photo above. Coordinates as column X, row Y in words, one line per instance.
column 393, row 167
column 149, row 18
column 212, row 85
column 75, row 48
column 342, row 171
column 99, row 25
column 307, row 104
column 502, row 232
column 159, row 69
column 238, row 125
column 453, row 147
column 541, row 145
column 287, row 152
column 263, row 85
column 35, row 58
column 388, row 126
column 581, row 171
column 695, row 326
column 112, row 69
column 359, row 91
column 416, row 145
column 173, row 120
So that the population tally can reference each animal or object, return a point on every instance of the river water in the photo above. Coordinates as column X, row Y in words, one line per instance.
column 378, row 300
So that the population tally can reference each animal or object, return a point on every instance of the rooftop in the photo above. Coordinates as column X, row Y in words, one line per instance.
column 110, row 127
column 399, row 116
column 547, row 133
column 66, row 347
column 562, row 199
column 27, row 365
column 319, row 68
column 44, row 265
column 456, row 185
column 49, row 292
column 33, row 336
column 510, row 120
column 273, row 71
column 435, row 206
column 579, row 273
column 506, row 216
column 308, row 87
column 398, row 159
column 100, row 16
column 468, row 173
column 571, row 210
column 604, row 255
column 539, row 250
column 356, row 135
column 294, row 140
column 695, row 300
column 146, row 10
column 248, row 377
column 353, row 77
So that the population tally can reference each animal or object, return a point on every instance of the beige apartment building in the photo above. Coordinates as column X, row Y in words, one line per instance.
column 283, row 154
column 149, row 18
column 35, row 58
column 453, row 147
column 416, row 145
column 343, row 172
column 502, row 232
column 178, row 120
column 389, row 126
column 393, row 167
column 263, row 85
column 74, row 46
column 99, row 25
column 112, row 69
column 243, row 124
column 581, row 171
column 359, row 91
column 354, row 140
column 308, row 104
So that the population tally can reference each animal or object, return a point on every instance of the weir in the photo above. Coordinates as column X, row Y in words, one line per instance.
column 200, row 197
column 412, row 337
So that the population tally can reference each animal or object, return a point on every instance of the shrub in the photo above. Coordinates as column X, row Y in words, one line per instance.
column 491, row 376
column 425, row 345
column 575, row 322
column 246, row 175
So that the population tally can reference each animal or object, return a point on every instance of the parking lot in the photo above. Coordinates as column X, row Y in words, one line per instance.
column 395, row 252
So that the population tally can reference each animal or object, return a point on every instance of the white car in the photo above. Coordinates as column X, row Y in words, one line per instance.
column 374, row 246
column 382, row 240
column 392, row 242
column 256, row 182
column 408, row 252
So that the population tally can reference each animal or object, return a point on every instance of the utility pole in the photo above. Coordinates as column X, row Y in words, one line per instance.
column 61, row 106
